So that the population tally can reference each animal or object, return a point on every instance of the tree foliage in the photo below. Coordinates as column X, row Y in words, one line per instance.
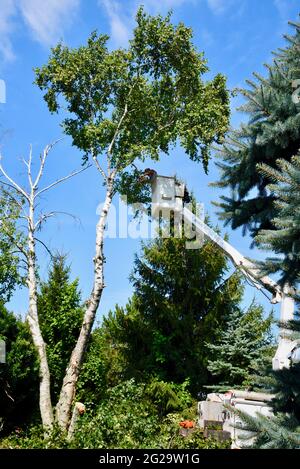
column 129, row 417
column 9, row 236
column 19, row 375
column 281, row 232
column 126, row 105
column 155, row 84
column 272, row 132
column 60, row 314
column 244, row 348
column 261, row 432
column 284, row 240
column 138, row 415
column 181, row 299
column 283, row 429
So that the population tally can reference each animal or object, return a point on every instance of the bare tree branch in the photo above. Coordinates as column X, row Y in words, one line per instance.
column 8, row 395
column 45, row 216
column 12, row 182
column 43, row 158
column 45, row 246
column 117, row 130
column 28, row 165
column 63, row 179
column 100, row 169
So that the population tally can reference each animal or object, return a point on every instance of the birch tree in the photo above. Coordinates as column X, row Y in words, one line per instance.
column 124, row 105
column 24, row 199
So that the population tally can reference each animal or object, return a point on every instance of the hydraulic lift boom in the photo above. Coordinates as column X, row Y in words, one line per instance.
column 167, row 197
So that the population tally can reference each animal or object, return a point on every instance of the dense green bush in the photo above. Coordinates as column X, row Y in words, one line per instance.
column 19, row 375
column 103, row 368
column 133, row 415
column 137, row 415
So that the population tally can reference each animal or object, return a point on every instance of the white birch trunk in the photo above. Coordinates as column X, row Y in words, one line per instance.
column 30, row 256
column 67, row 394
column 33, row 321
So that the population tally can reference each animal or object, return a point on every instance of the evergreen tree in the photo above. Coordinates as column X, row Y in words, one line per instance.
column 282, row 430
column 279, row 432
column 250, row 159
column 272, row 132
column 285, row 239
column 19, row 374
column 181, row 300
column 244, row 348
column 60, row 314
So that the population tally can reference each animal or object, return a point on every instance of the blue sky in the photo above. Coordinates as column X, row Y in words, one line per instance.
column 237, row 37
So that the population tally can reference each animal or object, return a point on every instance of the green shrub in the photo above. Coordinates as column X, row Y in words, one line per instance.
column 132, row 416
column 135, row 415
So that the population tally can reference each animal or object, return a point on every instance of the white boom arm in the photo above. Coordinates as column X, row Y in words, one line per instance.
column 167, row 196
column 285, row 345
column 248, row 268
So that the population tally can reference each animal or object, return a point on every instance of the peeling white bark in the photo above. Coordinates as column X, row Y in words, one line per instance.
column 67, row 394
column 33, row 321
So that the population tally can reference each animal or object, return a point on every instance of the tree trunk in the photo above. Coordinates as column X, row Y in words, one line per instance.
column 32, row 318
column 78, row 410
column 67, row 394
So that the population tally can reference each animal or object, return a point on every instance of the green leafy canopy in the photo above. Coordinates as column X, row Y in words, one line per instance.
column 9, row 236
column 139, row 101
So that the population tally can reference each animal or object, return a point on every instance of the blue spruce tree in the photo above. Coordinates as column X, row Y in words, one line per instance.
column 272, row 132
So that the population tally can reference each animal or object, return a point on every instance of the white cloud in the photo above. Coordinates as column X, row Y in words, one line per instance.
column 8, row 10
column 48, row 19
column 121, row 15
column 219, row 6
column 164, row 4
column 119, row 22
